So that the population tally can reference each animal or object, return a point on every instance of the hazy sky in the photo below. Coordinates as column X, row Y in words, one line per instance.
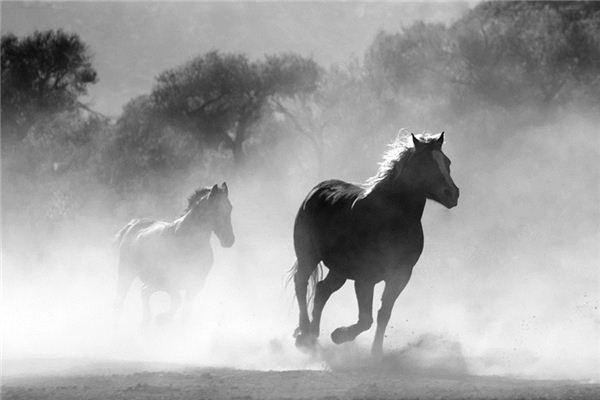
column 134, row 41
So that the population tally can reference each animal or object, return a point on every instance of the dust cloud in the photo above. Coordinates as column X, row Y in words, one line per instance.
column 507, row 284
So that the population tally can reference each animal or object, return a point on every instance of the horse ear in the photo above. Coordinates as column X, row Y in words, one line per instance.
column 414, row 139
column 225, row 188
column 440, row 140
column 416, row 142
column 214, row 189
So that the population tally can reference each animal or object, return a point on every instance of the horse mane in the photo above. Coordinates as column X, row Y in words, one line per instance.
column 394, row 159
column 197, row 195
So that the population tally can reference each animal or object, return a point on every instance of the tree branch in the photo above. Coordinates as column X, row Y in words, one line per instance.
column 79, row 104
column 297, row 124
column 200, row 109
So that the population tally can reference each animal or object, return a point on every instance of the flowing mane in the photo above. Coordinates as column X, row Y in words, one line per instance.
column 394, row 159
column 197, row 195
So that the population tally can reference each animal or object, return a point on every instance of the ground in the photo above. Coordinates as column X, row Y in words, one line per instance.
column 115, row 380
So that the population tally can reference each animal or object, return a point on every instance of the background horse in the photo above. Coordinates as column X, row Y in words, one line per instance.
column 368, row 234
column 174, row 256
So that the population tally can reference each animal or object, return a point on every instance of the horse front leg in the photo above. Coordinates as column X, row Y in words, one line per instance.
column 332, row 282
column 364, row 295
column 393, row 288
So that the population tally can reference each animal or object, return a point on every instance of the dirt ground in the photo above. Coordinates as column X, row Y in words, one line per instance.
column 114, row 380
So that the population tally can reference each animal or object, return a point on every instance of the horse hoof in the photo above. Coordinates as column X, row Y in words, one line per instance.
column 306, row 341
column 339, row 336
column 377, row 353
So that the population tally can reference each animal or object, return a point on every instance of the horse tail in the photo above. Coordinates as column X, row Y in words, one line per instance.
column 315, row 277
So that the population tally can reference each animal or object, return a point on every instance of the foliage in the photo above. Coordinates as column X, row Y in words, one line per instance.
column 416, row 59
column 502, row 53
column 143, row 148
column 42, row 74
column 537, row 52
column 219, row 97
column 68, row 141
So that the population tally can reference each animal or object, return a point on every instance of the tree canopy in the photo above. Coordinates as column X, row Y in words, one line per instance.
column 219, row 96
column 504, row 53
column 42, row 74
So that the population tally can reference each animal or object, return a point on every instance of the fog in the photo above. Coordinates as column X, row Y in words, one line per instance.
column 134, row 41
column 508, row 283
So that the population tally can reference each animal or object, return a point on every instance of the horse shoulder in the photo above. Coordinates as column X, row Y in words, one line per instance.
column 149, row 235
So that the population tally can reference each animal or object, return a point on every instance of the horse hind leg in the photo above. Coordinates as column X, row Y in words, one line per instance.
column 364, row 295
column 303, row 271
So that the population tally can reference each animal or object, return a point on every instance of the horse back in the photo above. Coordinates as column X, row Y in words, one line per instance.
column 132, row 228
column 325, row 214
column 331, row 196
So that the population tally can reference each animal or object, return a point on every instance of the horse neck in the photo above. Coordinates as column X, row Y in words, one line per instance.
column 398, row 194
column 185, row 225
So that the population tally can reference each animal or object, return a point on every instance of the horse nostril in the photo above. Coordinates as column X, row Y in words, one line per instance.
column 447, row 192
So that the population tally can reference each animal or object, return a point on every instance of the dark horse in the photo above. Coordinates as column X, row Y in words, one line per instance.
column 174, row 256
column 368, row 234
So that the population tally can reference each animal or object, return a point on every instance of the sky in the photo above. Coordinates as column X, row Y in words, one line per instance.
column 132, row 42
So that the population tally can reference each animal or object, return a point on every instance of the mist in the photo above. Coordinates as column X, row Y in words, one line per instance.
column 509, row 278
column 153, row 36
column 508, row 283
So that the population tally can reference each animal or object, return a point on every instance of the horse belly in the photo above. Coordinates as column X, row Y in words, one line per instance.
column 374, row 259
column 163, row 266
column 174, row 275
column 356, row 265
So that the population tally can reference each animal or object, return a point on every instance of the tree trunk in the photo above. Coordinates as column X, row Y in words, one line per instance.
column 237, row 144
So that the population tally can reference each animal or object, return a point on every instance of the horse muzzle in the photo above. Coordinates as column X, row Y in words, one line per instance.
column 227, row 242
column 448, row 197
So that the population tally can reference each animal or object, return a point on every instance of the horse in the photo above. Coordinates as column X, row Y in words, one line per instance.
column 368, row 233
column 173, row 256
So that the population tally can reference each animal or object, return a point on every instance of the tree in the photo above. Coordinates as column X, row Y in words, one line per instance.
column 503, row 54
column 143, row 146
column 516, row 52
column 219, row 97
column 343, row 110
column 42, row 74
column 417, row 60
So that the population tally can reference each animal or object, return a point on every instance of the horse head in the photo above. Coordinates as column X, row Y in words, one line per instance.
column 220, row 207
column 428, row 171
